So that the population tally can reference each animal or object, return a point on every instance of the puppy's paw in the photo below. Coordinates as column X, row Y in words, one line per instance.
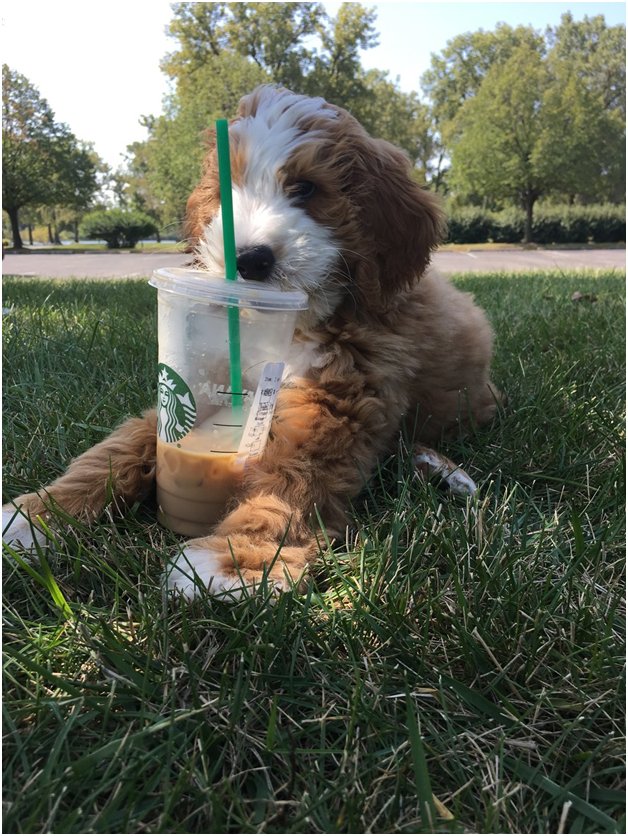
column 19, row 531
column 431, row 464
column 208, row 566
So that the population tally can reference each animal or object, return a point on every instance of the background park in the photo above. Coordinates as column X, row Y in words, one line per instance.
column 455, row 665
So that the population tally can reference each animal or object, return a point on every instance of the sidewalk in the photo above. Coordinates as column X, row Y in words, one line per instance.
column 141, row 265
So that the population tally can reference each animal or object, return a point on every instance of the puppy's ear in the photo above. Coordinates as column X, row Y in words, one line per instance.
column 204, row 201
column 402, row 222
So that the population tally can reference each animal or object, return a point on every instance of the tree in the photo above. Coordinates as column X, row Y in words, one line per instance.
column 498, row 130
column 337, row 74
column 587, row 60
column 43, row 164
column 580, row 149
column 227, row 49
column 270, row 35
column 554, row 126
column 28, row 130
column 163, row 170
column 457, row 73
column 131, row 187
column 596, row 53
column 400, row 118
column 76, row 179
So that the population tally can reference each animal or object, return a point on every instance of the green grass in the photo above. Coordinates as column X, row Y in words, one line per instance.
column 93, row 247
column 457, row 666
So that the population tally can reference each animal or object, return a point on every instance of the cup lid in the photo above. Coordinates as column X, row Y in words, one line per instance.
column 216, row 290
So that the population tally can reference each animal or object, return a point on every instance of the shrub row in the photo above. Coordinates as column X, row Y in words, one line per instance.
column 118, row 227
column 600, row 224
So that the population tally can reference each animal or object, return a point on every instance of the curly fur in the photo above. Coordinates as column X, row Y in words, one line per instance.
column 385, row 338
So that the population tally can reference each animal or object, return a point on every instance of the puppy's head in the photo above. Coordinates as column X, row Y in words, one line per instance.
column 319, row 206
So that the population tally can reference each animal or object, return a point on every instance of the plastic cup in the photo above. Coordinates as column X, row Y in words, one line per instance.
column 206, row 433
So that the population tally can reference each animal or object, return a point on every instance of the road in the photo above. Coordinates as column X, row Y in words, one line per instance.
column 141, row 265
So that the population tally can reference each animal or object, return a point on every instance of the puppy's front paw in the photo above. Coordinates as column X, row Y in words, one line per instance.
column 431, row 464
column 19, row 531
column 211, row 565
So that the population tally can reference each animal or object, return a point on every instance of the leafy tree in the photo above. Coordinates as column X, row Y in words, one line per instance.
column 596, row 53
column 43, row 164
column 78, row 176
column 28, row 132
column 337, row 73
column 119, row 228
column 199, row 30
column 268, row 34
column 495, row 152
column 400, row 118
column 227, row 49
column 272, row 35
column 163, row 170
column 587, row 60
column 580, row 149
column 563, row 137
column 385, row 111
column 132, row 190
column 457, row 73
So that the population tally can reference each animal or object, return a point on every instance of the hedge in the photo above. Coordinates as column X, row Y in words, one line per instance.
column 600, row 224
column 118, row 227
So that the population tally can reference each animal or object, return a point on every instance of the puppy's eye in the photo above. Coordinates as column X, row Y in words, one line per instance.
column 302, row 190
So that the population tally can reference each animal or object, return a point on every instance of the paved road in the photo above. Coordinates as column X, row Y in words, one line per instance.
column 511, row 260
column 89, row 265
column 141, row 265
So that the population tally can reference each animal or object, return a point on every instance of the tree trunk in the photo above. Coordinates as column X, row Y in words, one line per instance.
column 30, row 234
column 13, row 212
column 50, row 238
column 56, row 239
column 530, row 199
column 158, row 236
column 76, row 232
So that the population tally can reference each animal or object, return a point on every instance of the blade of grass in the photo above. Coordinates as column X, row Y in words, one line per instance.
column 534, row 778
column 422, row 781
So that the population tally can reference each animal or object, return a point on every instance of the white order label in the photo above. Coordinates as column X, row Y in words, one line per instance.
column 261, row 414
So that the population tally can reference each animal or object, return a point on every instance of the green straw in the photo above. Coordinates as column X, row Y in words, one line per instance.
column 228, row 237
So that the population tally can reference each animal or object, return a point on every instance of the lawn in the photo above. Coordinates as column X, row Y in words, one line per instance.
column 99, row 247
column 455, row 666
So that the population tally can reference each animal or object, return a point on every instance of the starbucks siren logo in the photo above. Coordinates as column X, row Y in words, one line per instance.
column 176, row 411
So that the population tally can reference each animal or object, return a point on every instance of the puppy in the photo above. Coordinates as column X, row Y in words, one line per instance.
column 321, row 207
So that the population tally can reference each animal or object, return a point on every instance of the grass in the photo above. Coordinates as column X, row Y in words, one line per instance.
column 93, row 247
column 457, row 666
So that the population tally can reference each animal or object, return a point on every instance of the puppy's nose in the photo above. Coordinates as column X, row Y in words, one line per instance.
column 256, row 263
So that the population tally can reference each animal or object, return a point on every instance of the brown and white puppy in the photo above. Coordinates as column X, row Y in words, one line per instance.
column 321, row 207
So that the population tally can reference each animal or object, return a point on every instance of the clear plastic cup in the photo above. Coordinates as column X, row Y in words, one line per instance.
column 206, row 432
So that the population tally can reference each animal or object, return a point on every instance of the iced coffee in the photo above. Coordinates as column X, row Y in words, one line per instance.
column 207, row 432
column 193, row 488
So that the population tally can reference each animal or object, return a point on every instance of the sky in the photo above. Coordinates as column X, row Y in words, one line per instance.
column 98, row 64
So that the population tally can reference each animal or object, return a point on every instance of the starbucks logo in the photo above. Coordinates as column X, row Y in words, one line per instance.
column 176, row 411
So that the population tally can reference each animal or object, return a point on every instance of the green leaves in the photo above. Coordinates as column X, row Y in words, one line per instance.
column 43, row 163
column 526, row 115
column 224, row 50
column 498, row 129
column 117, row 227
